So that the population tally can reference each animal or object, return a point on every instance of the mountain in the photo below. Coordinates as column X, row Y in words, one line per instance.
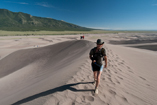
column 18, row 21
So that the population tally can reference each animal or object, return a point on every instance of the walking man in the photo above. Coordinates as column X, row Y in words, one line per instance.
column 97, row 55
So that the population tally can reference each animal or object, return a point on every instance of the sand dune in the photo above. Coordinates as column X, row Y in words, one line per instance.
column 60, row 74
column 24, row 71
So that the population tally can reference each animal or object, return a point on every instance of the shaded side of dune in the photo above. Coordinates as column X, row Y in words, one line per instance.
column 148, row 47
column 136, row 41
column 52, row 55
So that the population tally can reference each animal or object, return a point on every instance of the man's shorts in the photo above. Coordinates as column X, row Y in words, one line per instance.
column 97, row 67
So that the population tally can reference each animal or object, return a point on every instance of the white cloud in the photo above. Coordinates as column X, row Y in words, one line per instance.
column 22, row 3
column 17, row 2
column 44, row 4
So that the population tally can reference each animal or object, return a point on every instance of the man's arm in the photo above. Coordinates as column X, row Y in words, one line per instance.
column 90, row 56
column 105, row 58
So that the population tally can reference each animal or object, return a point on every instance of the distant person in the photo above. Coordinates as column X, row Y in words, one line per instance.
column 80, row 37
column 97, row 55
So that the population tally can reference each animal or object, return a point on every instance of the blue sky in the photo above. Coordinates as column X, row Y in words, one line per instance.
column 100, row 14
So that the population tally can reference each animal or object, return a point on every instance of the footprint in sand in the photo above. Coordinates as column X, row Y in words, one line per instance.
column 147, row 84
column 142, row 78
column 125, row 99
column 120, row 77
column 110, row 79
column 103, row 79
column 115, row 65
column 105, row 96
column 128, row 67
column 88, row 98
column 130, row 71
column 119, row 69
column 115, row 72
column 109, row 71
column 112, row 92
column 117, row 81
column 104, row 70
column 109, row 60
column 116, row 60
column 120, row 63
column 109, row 75
column 80, row 68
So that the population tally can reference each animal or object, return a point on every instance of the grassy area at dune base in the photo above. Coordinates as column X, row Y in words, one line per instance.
column 25, row 33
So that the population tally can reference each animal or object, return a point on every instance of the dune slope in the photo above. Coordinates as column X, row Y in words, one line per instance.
column 31, row 71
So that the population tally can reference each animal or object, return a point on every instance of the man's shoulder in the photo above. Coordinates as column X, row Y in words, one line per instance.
column 103, row 49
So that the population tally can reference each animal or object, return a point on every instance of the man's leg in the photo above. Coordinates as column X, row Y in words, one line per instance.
column 98, row 79
column 98, row 76
column 95, row 75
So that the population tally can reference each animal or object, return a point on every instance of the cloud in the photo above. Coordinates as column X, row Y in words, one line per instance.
column 47, row 5
column 44, row 4
column 22, row 3
column 17, row 2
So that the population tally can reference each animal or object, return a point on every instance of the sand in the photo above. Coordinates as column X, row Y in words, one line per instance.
column 56, row 70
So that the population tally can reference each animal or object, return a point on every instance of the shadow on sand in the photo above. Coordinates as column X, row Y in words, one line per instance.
column 51, row 91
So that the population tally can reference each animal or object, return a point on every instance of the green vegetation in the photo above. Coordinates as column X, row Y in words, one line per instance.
column 26, row 33
column 12, row 21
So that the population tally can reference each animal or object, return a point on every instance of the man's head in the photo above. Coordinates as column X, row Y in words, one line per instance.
column 99, row 43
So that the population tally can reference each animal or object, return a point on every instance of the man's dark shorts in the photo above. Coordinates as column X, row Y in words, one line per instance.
column 97, row 67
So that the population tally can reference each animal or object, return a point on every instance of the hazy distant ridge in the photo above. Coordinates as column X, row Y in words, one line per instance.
column 18, row 21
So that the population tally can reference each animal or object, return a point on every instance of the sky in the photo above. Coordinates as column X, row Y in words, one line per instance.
column 98, row 14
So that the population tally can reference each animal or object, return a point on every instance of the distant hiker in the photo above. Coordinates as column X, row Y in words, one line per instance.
column 82, row 37
column 97, row 55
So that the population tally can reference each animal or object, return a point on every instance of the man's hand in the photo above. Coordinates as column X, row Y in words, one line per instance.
column 94, row 61
column 105, row 66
